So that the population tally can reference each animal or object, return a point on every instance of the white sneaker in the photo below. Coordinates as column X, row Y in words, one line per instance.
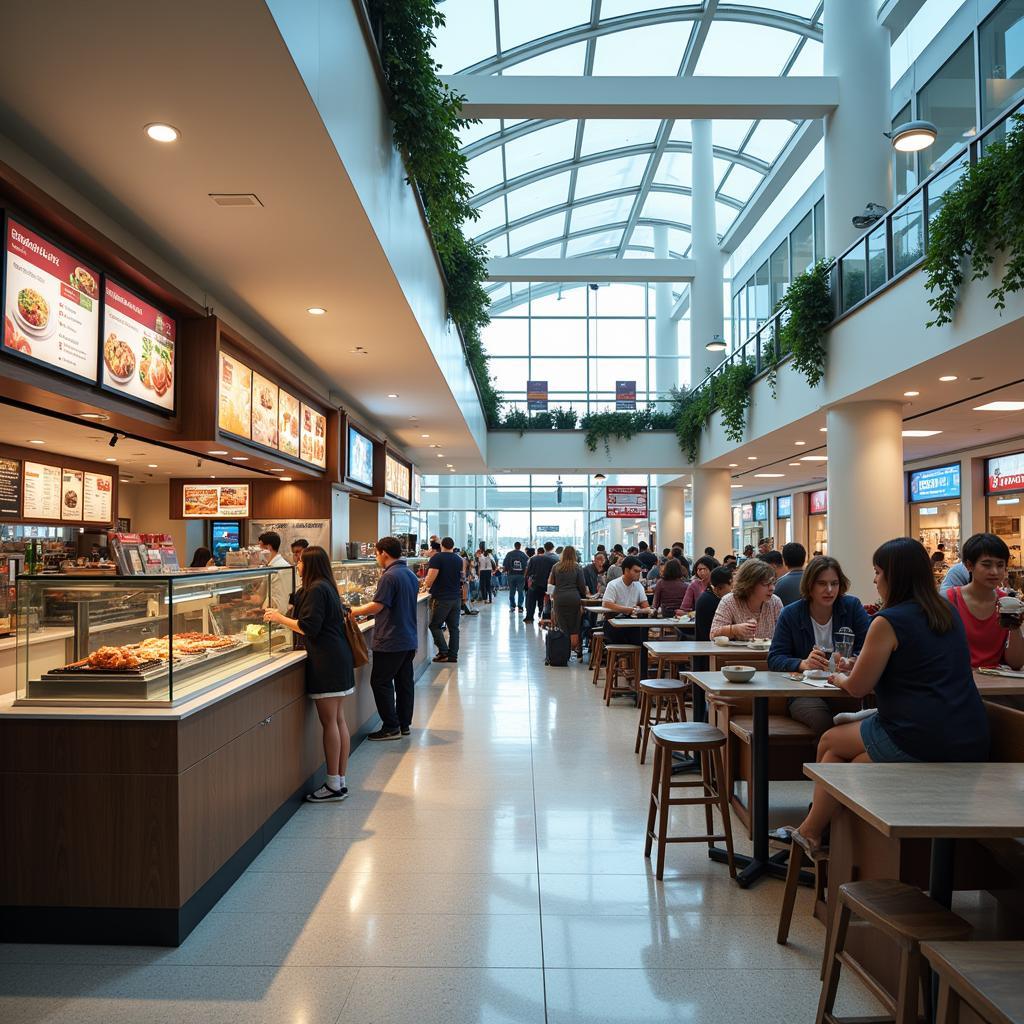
column 853, row 716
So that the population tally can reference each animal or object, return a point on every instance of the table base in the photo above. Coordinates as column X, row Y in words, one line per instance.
column 752, row 868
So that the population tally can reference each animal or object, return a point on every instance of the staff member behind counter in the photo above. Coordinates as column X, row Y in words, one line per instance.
column 280, row 585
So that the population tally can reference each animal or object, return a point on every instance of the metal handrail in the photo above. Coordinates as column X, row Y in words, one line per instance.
column 754, row 349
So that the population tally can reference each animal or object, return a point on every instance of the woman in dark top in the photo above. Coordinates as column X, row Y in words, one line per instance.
column 570, row 588
column 916, row 660
column 670, row 589
column 330, row 678
column 202, row 558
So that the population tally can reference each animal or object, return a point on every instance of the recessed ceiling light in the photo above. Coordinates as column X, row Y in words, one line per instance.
column 735, row 487
column 439, row 455
column 911, row 394
column 392, row 395
column 286, row 479
column 158, row 131
column 769, row 476
column 277, row 471
column 815, row 458
column 37, row 442
column 449, row 465
column 435, row 446
column 316, row 310
column 153, row 465
column 1000, row 407
column 751, row 458
column 794, row 463
column 921, row 433
column 217, row 453
column 948, row 378
column 239, row 458
column 424, row 435
column 99, row 417
column 110, row 459
column 213, row 476
column 734, row 465
column 822, row 430
column 799, row 442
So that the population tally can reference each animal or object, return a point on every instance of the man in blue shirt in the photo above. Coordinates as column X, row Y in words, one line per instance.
column 444, row 581
column 394, row 640
column 515, row 566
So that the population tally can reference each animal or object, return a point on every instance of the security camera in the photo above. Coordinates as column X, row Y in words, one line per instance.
column 872, row 212
column 199, row 463
column 114, row 438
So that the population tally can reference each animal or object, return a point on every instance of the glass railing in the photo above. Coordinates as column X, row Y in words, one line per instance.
column 890, row 249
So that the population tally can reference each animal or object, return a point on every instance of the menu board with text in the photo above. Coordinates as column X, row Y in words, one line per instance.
column 288, row 423
column 51, row 304
column 98, row 493
column 138, row 348
column 265, row 426
column 72, row 494
column 397, row 481
column 206, row 500
column 10, row 488
column 42, row 491
column 234, row 404
column 313, row 437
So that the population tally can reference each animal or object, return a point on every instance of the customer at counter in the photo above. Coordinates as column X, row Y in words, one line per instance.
column 444, row 581
column 917, row 662
column 330, row 677
column 985, row 557
column 394, row 640
column 298, row 546
column 270, row 545
column 202, row 559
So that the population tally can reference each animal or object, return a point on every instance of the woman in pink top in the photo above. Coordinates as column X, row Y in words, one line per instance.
column 985, row 556
column 702, row 570
column 752, row 609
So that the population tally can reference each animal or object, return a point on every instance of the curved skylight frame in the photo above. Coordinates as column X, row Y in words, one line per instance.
column 702, row 16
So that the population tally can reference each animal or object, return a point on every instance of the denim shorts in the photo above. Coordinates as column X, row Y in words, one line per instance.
column 879, row 745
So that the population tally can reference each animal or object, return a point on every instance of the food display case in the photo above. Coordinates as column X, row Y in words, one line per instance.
column 357, row 581
column 153, row 640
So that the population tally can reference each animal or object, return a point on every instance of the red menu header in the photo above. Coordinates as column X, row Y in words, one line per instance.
column 140, row 311
column 46, row 256
column 819, row 502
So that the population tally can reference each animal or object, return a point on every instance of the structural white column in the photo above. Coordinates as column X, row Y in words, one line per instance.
column 666, row 336
column 712, row 511
column 865, row 486
column 858, row 157
column 706, row 316
column 671, row 524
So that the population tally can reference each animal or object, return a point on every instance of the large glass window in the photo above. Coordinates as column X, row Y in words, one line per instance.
column 948, row 102
column 1001, row 44
column 779, row 273
column 801, row 244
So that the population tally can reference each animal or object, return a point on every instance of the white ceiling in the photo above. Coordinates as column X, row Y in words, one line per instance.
column 221, row 73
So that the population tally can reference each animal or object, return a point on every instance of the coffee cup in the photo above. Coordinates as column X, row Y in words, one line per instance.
column 1010, row 611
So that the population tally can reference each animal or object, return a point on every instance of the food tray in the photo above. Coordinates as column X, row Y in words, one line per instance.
column 145, row 670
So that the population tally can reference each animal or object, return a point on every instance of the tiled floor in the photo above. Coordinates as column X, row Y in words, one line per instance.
column 489, row 869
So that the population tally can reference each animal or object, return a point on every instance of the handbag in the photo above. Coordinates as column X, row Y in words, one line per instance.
column 356, row 641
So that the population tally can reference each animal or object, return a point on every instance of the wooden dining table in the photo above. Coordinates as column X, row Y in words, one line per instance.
column 684, row 651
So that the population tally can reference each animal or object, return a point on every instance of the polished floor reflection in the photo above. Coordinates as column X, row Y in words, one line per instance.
column 489, row 869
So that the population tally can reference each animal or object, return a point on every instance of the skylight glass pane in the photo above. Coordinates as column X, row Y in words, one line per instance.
column 741, row 183
column 492, row 215
column 768, row 139
column 553, row 191
column 643, row 234
column 609, row 175
column 654, row 50
column 729, row 134
column 810, row 60
column 675, row 169
column 681, row 132
column 721, row 166
column 593, row 242
column 735, row 48
column 667, row 206
column 485, row 171
column 614, row 134
column 801, row 8
column 543, row 230
column 548, row 252
column 546, row 146
column 678, row 240
column 497, row 248
column 566, row 60
column 475, row 132
column 724, row 216
column 633, row 253
column 616, row 8
column 467, row 36
column 594, row 215
column 523, row 20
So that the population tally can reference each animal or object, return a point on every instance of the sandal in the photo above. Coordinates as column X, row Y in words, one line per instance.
column 815, row 852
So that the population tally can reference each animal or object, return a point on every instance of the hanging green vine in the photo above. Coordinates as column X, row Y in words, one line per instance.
column 728, row 392
column 426, row 117
column 807, row 311
column 982, row 215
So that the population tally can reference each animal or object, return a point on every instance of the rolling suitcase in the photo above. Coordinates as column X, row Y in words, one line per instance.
column 557, row 648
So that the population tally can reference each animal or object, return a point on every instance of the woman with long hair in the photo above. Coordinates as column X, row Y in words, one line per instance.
column 916, row 660
column 330, row 678
column 566, row 602
column 752, row 609
column 202, row 558
column 670, row 589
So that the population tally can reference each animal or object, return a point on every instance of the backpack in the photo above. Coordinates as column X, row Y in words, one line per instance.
column 557, row 648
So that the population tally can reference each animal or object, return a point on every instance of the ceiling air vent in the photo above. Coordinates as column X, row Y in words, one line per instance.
column 235, row 199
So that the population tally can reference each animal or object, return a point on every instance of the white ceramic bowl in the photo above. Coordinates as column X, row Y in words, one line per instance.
column 738, row 673
column 721, row 641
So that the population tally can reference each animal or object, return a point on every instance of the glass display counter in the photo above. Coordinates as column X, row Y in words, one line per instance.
column 357, row 581
column 150, row 640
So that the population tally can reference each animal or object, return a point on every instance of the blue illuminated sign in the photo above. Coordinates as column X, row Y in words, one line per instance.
column 760, row 511
column 784, row 507
column 935, row 484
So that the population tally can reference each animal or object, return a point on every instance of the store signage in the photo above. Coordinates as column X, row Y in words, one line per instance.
column 266, row 415
column 72, row 494
column 397, row 478
column 747, row 513
column 537, row 396
column 1005, row 473
column 51, row 304
column 626, row 502
column 737, row 516
column 360, row 458
column 313, row 437
column 417, row 488
column 819, row 502
column 316, row 531
column 761, row 511
column 547, row 528
column 784, row 507
column 928, row 510
column 234, row 402
column 288, row 423
column 99, row 490
column 42, row 491
column 625, row 395
column 935, row 484
column 200, row 501
column 138, row 349
column 10, row 488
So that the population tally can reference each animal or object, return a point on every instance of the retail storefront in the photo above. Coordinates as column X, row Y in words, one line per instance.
column 783, row 520
column 1004, row 491
column 817, row 522
column 935, row 509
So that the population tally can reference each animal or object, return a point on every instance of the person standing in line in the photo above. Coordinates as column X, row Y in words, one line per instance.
column 787, row 587
column 710, row 552
column 648, row 558
column 484, row 566
column 566, row 602
column 444, row 581
column 538, row 569
column 330, row 677
column 298, row 546
column 394, row 640
column 280, row 588
column 515, row 567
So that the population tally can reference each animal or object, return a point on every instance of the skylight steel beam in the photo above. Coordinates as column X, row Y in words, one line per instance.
column 896, row 15
column 723, row 97
column 582, row 268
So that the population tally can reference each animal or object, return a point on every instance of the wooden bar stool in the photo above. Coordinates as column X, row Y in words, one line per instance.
column 623, row 662
column 707, row 742
column 797, row 858
column 987, row 976
column 596, row 653
column 661, row 700
column 908, row 917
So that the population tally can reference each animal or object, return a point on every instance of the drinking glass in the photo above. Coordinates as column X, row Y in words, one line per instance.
column 844, row 642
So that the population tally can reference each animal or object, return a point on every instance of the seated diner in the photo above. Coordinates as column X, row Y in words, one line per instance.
column 751, row 610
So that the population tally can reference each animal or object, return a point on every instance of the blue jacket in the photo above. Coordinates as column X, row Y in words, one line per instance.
column 794, row 635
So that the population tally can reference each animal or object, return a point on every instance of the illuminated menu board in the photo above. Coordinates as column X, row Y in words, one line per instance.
column 234, row 404
column 313, row 437
column 42, row 491
column 265, row 414
column 51, row 304
column 200, row 501
column 72, row 495
column 397, row 478
column 138, row 349
column 98, row 493
column 818, row 503
column 10, row 488
column 360, row 458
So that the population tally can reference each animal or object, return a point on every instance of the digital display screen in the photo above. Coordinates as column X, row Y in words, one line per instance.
column 360, row 458
column 935, row 484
